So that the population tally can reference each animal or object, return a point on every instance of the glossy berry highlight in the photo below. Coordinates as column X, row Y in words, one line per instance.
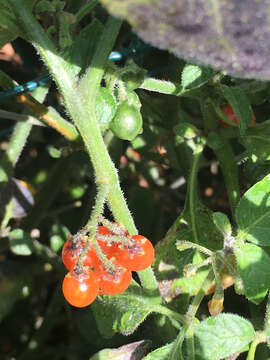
column 80, row 290
column 138, row 256
column 71, row 252
column 115, row 282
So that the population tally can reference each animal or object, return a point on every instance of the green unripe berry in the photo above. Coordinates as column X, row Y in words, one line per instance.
column 127, row 123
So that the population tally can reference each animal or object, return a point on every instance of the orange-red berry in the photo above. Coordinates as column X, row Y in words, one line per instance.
column 80, row 290
column 138, row 256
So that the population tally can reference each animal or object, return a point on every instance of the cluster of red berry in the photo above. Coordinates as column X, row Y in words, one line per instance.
column 82, row 285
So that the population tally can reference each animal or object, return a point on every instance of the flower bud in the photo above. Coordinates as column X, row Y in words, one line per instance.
column 215, row 305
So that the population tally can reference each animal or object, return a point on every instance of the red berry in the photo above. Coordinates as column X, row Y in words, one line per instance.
column 229, row 112
column 71, row 252
column 112, row 283
column 138, row 256
column 103, row 230
column 80, row 289
column 106, row 247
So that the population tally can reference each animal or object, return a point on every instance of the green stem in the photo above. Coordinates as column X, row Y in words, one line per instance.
column 229, row 169
column 176, row 353
column 85, row 10
column 192, row 192
column 190, row 343
column 228, row 265
column 98, row 209
column 183, row 245
column 188, row 329
column 194, row 306
column 209, row 114
column 267, row 322
column 219, row 289
column 169, row 313
column 80, row 103
column 91, row 227
column 161, row 86
column 260, row 337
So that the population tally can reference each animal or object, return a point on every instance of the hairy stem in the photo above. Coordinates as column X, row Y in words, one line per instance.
column 193, row 191
column 80, row 104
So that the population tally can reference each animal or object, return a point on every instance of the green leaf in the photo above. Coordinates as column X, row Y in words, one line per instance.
column 221, row 336
column 125, row 312
column 169, row 263
column 106, row 107
column 161, row 353
column 194, row 76
column 135, row 77
column 8, row 27
column 257, row 91
column 20, row 242
column 240, row 103
column 6, row 36
column 257, row 141
column 253, row 213
column 81, row 52
column 45, row 5
column 133, row 351
column 253, row 266
column 222, row 223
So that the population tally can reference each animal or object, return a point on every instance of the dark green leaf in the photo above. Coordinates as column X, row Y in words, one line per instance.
column 8, row 27
column 45, row 5
column 6, row 36
column 257, row 141
column 83, row 48
column 230, row 36
column 221, row 336
column 253, row 265
column 106, row 107
column 222, row 223
column 135, row 77
column 253, row 213
column 256, row 91
column 240, row 103
column 125, row 312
